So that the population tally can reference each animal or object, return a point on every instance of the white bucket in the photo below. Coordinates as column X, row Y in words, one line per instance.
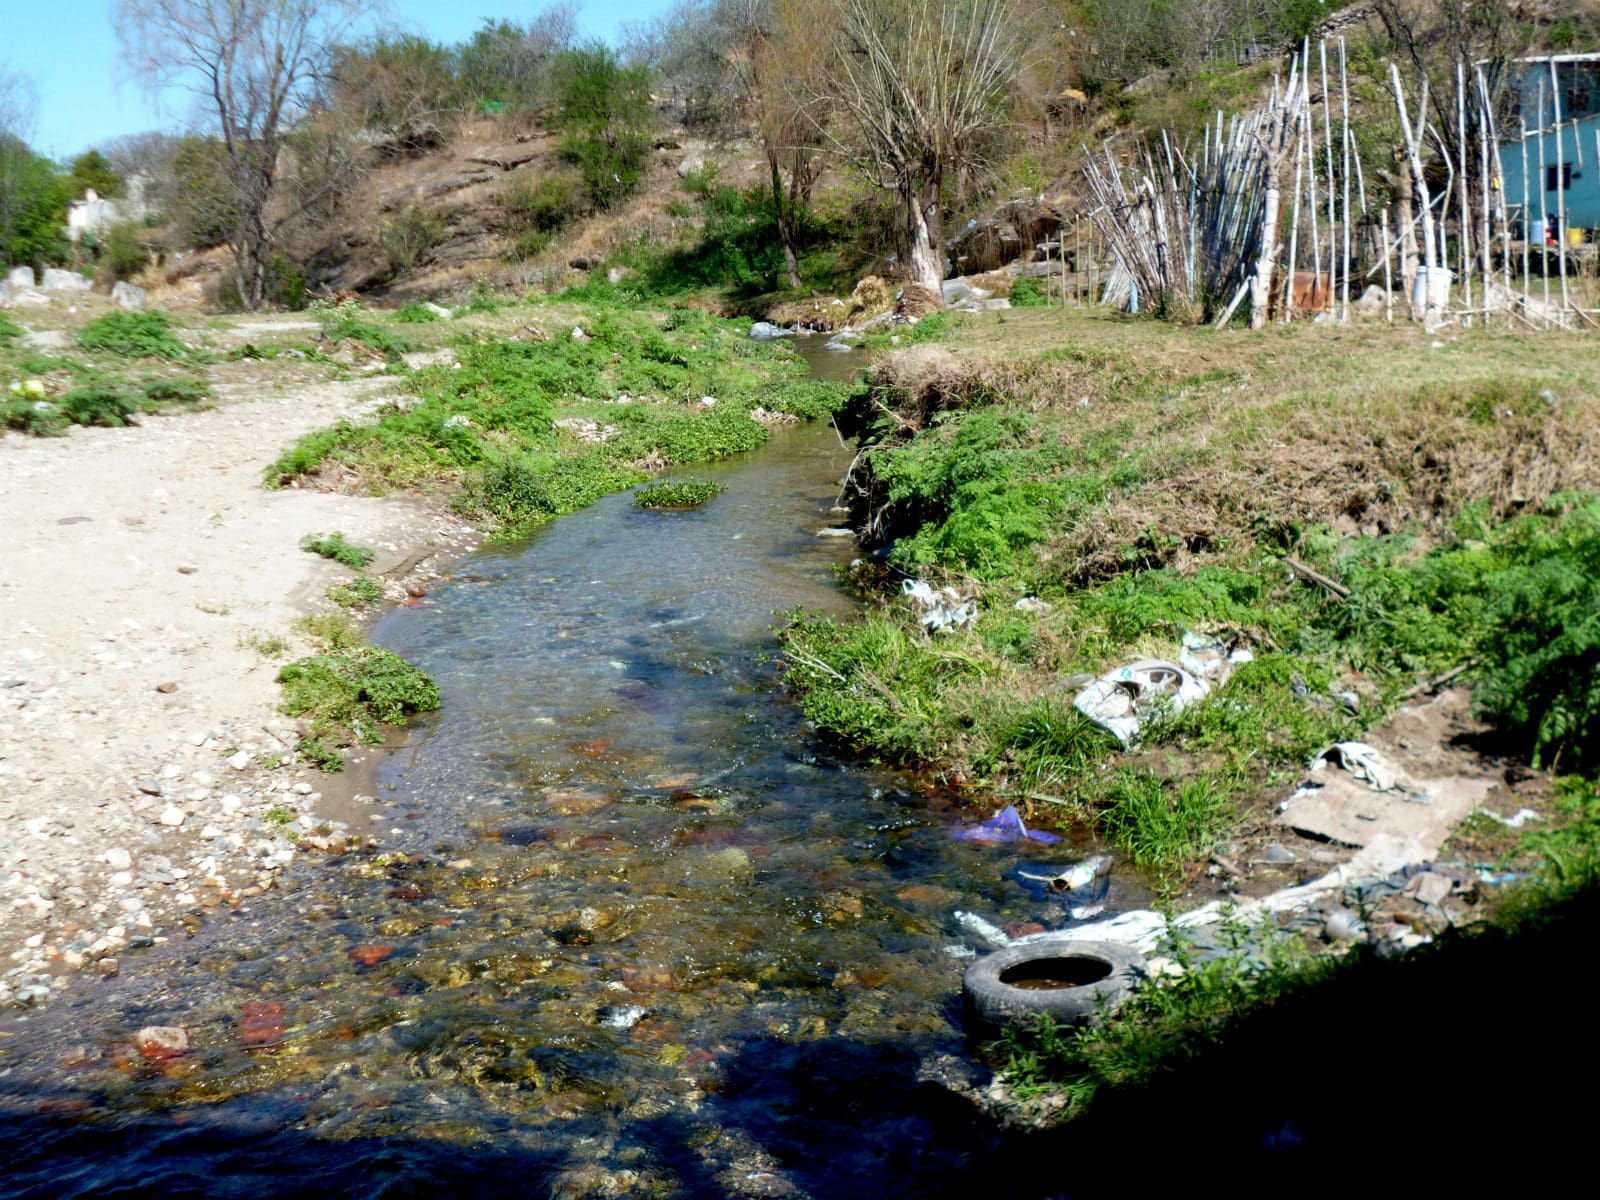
column 1431, row 289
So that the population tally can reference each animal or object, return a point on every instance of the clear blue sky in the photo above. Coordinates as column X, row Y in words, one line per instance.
column 68, row 50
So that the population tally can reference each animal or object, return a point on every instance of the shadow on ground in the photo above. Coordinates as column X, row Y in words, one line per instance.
column 1460, row 1070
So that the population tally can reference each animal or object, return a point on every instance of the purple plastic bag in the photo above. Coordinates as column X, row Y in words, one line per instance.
column 1004, row 826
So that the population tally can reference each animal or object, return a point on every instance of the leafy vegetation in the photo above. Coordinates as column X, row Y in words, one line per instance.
column 360, row 592
column 679, row 493
column 335, row 546
column 144, row 334
column 351, row 322
column 629, row 394
column 348, row 696
column 416, row 314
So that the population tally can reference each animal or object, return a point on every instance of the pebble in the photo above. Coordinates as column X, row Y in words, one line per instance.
column 160, row 1042
column 109, row 966
column 167, row 688
column 239, row 761
column 149, row 787
column 118, row 859
column 172, row 816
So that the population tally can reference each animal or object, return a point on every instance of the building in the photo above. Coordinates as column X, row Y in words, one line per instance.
column 92, row 214
column 1556, row 103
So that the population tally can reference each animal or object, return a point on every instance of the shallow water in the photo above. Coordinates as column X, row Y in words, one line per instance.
column 635, row 931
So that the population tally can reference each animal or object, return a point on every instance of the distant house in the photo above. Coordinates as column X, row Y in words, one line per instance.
column 1556, row 116
column 93, row 214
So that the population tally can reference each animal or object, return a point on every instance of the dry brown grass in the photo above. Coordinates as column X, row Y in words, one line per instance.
column 1240, row 435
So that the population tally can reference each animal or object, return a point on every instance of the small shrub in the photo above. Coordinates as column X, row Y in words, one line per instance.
column 341, row 322
column 679, row 494
column 146, row 334
column 121, row 253
column 348, row 697
column 286, row 284
column 409, row 236
column 535, row 210
column 184, row 392
column 359, row 592
column 1026, row 293
column 98, row 404
column 335, row 547
column 416, row 314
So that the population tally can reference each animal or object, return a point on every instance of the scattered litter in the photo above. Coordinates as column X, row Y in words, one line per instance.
column 1344, row 926
column 1499, row 878
column 766, row 331
column 942, row 610
column 1032, row 604
column 986, row 930
column 708, row 401
column 961, row 952
column 1430, row 888
column 1081, row 882
column 578, row 335
column 1004, row 826
column 1210, row 659
column 1516, row 820
column 1361, row 760
column 1123, row 700
column 1277, row 855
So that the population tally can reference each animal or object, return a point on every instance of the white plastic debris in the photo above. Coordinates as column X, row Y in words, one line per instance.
column 1515, row 821
column 1208, row 658
column 942, row 610
column 984, row 930
column 1123, row 701
column 1361, row 760
column 625, row 1018
column 1032, row 604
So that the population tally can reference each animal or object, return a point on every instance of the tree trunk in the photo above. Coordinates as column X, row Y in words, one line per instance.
column 1261, row 283
column 1408, row 240
column 785, row 214
column 923, row 291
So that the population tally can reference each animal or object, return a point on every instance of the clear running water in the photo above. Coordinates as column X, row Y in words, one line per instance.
column 635, row 932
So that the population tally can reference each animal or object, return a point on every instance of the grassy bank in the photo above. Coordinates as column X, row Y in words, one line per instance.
column 1145, row 482
column 532, row 411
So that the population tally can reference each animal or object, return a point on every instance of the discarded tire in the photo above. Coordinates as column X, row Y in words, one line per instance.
column 1067, row 980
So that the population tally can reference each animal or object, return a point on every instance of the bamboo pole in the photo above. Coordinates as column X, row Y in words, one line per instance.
column 1344, row 117
column 1463, row 201
column 1544, row 209
column 1499, row 175
column 1327, row 151
column 1294, row 235
column 1527, row 217
column 1388, row 282
column 1561, row 181
column 1311, row 184
column 1420, row 181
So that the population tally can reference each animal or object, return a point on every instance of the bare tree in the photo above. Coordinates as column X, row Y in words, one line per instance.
column 258, row 64
column 923, row 84
column 17, row 112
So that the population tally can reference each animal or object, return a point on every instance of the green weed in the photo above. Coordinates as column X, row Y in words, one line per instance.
column 347, row 697
column 350, row 322
column 360, row 592
column 416, row 314
column 683, row 493
column 335, row 546
column 145, row 334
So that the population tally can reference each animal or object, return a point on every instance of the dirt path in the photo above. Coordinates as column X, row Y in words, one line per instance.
column 137, row 567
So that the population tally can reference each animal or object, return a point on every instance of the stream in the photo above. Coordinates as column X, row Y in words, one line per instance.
column 634, row 929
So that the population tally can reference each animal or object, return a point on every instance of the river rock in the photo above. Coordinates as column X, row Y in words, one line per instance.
column 21, row 279
column 118, row 859
column 158, row 1043
column 766, row 331
column 57, row 280
column 127, row 297
column 172, row 816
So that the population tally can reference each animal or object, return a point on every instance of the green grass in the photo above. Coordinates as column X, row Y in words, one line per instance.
column 487, row 430
column 682, row 493
column 360, row 592
column 351, row 322
column 335, row 546
column 415, row 314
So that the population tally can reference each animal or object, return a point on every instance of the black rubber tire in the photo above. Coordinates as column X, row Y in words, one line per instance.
column 1000, row 1003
